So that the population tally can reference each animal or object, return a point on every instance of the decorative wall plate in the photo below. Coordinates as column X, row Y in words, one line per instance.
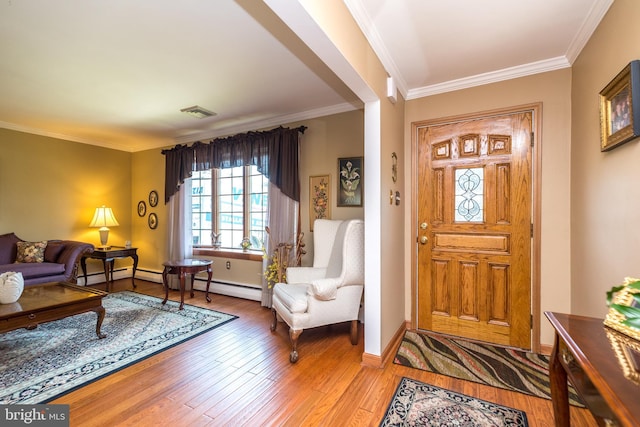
column 153, row 198
column 142, row 208
column 153, row 221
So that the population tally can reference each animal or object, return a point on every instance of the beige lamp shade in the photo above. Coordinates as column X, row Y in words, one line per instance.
column 104, row 218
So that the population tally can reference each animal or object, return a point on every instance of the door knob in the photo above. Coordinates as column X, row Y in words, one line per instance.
column 423, row 226
column 424, row 240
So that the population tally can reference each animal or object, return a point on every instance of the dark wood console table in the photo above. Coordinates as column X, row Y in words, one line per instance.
column 583, row 351
column 108, row 257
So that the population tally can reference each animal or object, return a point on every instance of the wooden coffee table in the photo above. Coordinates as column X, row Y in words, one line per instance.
column 182, row 268
column 51, row 301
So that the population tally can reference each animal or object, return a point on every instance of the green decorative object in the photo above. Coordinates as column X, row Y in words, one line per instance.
column 245, row 244
column 624, row 308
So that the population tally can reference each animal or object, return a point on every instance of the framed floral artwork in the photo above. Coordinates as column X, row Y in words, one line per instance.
column 319, row 198
column 620, row 108
column 350, row 181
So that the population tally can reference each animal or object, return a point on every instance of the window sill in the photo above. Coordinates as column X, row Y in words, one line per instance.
column 228, row 253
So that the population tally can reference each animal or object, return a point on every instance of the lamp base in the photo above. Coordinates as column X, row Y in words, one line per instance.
column 103, row 248
column 104, row 236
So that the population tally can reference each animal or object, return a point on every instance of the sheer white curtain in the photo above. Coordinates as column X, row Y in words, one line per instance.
column 283, row 223
column 180, row 232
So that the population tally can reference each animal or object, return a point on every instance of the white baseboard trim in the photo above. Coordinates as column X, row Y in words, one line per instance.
column 237, row 290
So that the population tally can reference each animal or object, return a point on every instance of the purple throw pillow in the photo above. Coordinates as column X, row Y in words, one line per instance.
column 8, row 248
column 53, row 250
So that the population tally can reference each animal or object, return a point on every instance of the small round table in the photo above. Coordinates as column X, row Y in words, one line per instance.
column 182, row 268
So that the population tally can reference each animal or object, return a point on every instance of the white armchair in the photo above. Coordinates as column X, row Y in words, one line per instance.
column 330, row 291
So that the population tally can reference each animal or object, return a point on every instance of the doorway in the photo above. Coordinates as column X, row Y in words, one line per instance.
column 475, row 227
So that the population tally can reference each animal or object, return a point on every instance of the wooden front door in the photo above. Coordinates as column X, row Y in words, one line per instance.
column 474, row 228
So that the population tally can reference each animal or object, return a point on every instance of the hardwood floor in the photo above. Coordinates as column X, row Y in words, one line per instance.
column 239, row 374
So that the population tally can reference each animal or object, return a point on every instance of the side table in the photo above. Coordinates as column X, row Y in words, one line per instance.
column 108, row 256
column 182, row 268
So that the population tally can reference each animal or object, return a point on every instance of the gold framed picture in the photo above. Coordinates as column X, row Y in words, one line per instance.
column 319, row 198
column 624, row 308
column 627, row 351
column 619, row 110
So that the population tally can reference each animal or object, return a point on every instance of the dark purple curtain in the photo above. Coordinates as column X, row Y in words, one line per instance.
column 275, row 153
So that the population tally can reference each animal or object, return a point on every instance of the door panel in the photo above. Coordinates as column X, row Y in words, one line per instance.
column 474, row 219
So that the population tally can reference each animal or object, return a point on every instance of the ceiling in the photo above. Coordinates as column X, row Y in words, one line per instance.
column 117, row 73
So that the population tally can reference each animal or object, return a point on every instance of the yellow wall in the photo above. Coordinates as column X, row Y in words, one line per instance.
column 605, row 196
column 49, row 188
column 553, row 90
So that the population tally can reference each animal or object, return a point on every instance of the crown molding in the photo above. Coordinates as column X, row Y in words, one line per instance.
column 491, row 77
column 222, row 131
column 588, row 27
column 272, row 121
column 65, row 137
column 365, row 23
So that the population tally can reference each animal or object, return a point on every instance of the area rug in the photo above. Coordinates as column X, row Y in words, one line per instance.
column 40, row 365
column 420, row 404
column 501, row 367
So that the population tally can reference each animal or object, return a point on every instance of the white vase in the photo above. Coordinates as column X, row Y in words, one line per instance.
column 11, row 287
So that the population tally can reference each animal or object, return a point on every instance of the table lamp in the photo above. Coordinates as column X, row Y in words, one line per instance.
column 104, row 219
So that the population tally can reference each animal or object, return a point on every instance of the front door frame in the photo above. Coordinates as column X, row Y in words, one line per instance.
column 536, row 165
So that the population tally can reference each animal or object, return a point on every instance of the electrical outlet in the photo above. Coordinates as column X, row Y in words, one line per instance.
column 228, row 265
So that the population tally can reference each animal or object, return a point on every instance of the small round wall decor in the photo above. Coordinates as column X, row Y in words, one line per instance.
column 153, row 198
column 142, row 208
column 153, row 221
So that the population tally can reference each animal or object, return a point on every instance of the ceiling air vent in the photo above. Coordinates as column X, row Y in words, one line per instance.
column 198, row 112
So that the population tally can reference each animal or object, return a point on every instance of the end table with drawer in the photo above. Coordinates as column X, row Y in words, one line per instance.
column 108, row 257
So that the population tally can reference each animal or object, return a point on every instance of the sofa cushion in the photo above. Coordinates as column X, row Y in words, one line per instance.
column 8, row 248
column 54, row 247
column 34, row 269
column 30, row 252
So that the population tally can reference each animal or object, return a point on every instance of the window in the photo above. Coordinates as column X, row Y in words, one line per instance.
column 231, row 204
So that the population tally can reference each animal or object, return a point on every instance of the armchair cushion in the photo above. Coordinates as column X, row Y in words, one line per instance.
column 293, row 297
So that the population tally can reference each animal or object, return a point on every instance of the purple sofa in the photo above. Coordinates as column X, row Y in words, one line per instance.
column 61, row 259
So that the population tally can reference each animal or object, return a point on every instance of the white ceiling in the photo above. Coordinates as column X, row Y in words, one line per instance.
column 116, row 73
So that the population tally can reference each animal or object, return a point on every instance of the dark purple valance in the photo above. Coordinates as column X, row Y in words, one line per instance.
column 275, row 153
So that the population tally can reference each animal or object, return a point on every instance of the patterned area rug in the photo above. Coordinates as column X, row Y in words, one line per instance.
column 500, row 367
column 420, row 404
column 40, row 365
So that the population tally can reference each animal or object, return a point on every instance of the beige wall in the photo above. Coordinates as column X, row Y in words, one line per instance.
column 553, row 90
column 326, row 140
column 384, row 227
column 49, row 188
column 605, row 197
